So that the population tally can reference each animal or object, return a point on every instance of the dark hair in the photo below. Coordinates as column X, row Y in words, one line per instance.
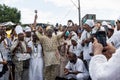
column 72, row 54
column 117, row 21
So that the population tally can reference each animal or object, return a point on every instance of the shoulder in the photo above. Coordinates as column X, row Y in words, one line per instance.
column 79, row 61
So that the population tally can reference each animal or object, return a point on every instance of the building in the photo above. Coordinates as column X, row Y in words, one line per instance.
column 93, row 17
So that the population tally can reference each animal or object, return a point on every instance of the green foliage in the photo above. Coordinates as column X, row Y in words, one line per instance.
column 9, row 14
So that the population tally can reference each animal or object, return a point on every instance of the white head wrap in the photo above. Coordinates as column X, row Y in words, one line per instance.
column 27, row 29
column 104, row 23
column 90, row 22
column 75, row 38
column 18, row 29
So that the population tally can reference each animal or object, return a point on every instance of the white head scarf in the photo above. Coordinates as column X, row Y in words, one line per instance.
column 90, row 22
column 27, row 29
column 104, row 23
column 18, row 29
column 75, row 38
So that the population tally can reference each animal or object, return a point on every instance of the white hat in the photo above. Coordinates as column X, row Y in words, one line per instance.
column 75, row 38
column 104, row 23
column 90, row 22
column 18, row 29
column 27, row 29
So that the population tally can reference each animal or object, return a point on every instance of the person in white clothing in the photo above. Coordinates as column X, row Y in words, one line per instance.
column 75, row 47
column 101, row 68
column 36, row 61
column 4, row 73
column 86, row 42
column 115, row 38
column 75, row 69
column 28, row 41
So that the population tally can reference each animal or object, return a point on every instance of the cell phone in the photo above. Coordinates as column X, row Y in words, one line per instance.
column 101, row 37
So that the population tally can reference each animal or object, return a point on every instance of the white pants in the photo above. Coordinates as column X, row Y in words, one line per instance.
column 78, row 76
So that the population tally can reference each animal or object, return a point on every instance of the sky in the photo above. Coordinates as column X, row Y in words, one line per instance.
column 59, row 11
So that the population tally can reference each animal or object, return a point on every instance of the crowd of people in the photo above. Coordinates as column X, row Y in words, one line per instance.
column 61, row 53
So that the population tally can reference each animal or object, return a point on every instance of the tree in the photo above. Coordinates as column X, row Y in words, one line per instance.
column 9, row 14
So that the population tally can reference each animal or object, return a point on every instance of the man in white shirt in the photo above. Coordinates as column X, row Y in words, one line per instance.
column 28, row 41
column 75, row 68
column 115, row 38
column 101, row 68
column 86, row 42
column 75, row 47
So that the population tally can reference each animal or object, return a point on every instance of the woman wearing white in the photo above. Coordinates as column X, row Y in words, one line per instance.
column 36, row 61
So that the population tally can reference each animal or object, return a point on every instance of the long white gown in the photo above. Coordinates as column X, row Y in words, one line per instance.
column 36, row 64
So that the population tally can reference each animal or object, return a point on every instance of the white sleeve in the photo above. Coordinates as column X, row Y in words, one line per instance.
column 90, row 47
column 68, row 65
column 83, row 36
column 101, row 69
column 80, row 66
column 30, row 44
column 15, row 43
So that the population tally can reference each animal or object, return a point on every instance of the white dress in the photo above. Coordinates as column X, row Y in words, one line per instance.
column 36, row 64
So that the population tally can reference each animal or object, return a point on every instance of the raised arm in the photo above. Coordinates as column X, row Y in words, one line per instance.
column 35, row 21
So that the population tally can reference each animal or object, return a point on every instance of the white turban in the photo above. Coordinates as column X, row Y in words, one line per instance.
column 104, row 23
column 90, row 22
column 18, row 29
column 75, row 38
column 27, row 29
